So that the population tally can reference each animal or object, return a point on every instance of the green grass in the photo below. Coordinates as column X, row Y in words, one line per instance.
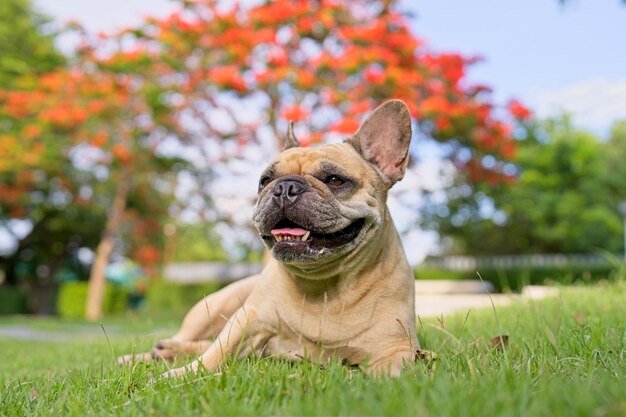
column 565, row 357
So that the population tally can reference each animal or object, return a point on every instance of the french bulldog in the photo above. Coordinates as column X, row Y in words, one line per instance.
column 338, row 285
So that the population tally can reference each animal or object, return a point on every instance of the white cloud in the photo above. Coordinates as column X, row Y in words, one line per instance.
column 595, row 104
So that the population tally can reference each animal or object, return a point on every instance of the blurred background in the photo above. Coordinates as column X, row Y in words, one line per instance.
column 132, row 135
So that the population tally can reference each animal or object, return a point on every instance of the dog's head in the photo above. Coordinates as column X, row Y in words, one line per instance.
column 319, row 204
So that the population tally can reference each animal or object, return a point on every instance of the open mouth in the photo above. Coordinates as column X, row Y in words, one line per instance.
column 289, row 234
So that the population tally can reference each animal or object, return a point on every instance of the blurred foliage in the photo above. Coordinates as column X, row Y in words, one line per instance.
column 12, row 300
column 70, row 136
column 198, row 242
column 165, row 296
column 565, row 198
column 514, row 279
column 26, row 46
column 615, row 154
column 73, row 295
column 195, row 242
column 36, row 195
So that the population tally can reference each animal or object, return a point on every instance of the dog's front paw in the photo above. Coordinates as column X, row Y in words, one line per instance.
column 385, row 369
column 133, row 358
column 165, row 349
column 389, row 366
column 178, row 372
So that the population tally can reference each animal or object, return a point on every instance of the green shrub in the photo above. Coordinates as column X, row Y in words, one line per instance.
column 73, row 297
column 436, row 273
column 515, row 278
column 12, row 300
column 168, row 296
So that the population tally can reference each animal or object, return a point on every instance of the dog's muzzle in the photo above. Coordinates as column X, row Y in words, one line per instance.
column 288, row 189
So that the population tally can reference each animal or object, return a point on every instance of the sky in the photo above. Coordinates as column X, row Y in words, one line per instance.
column 551, row 57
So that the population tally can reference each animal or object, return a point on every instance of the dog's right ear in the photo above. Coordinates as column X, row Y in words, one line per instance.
column 383, row 139
column 290, row 141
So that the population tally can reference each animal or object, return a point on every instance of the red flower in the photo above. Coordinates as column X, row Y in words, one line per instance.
column 518, row 110
column 99, row 139
column 265, row 77
column 278, row 57
column 306, row 79
column 31, row 131
column 443, row 123
column 374, row 76
column 147, row 255
column 435, row 104
column 360, row 107
column 121, row 153
column 508, row 150
column 18, row 103
column 306, row 24
column 294, row 113
column 228, row 76
column 346, row 126
column 96, row 106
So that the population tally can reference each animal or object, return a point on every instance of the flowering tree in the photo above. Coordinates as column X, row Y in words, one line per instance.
column 79, row 139
column 321, row 64
column 216, row 84
column 235, row 75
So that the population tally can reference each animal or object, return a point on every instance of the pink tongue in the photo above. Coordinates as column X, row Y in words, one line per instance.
column 289, row 232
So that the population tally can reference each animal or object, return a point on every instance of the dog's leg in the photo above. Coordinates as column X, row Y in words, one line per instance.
column 203, row 321
column 391, row 366
column 233, row 340
column 171, row 348
column 390, row 363
column 209, row 316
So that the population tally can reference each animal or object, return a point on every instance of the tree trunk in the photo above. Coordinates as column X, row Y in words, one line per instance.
column 95, row 293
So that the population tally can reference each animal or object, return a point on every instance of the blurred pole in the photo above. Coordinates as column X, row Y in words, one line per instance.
column 622, row 210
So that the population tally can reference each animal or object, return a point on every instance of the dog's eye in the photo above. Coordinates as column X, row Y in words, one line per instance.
column 263, row 182
column 334, row 180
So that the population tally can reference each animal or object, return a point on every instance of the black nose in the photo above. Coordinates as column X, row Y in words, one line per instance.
column 289, row 189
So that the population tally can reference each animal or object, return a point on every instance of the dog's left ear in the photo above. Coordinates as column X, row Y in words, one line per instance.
column 383, row 139
column 290, row 141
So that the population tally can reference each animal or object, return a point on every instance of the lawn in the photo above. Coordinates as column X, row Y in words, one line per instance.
column 565, row 357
